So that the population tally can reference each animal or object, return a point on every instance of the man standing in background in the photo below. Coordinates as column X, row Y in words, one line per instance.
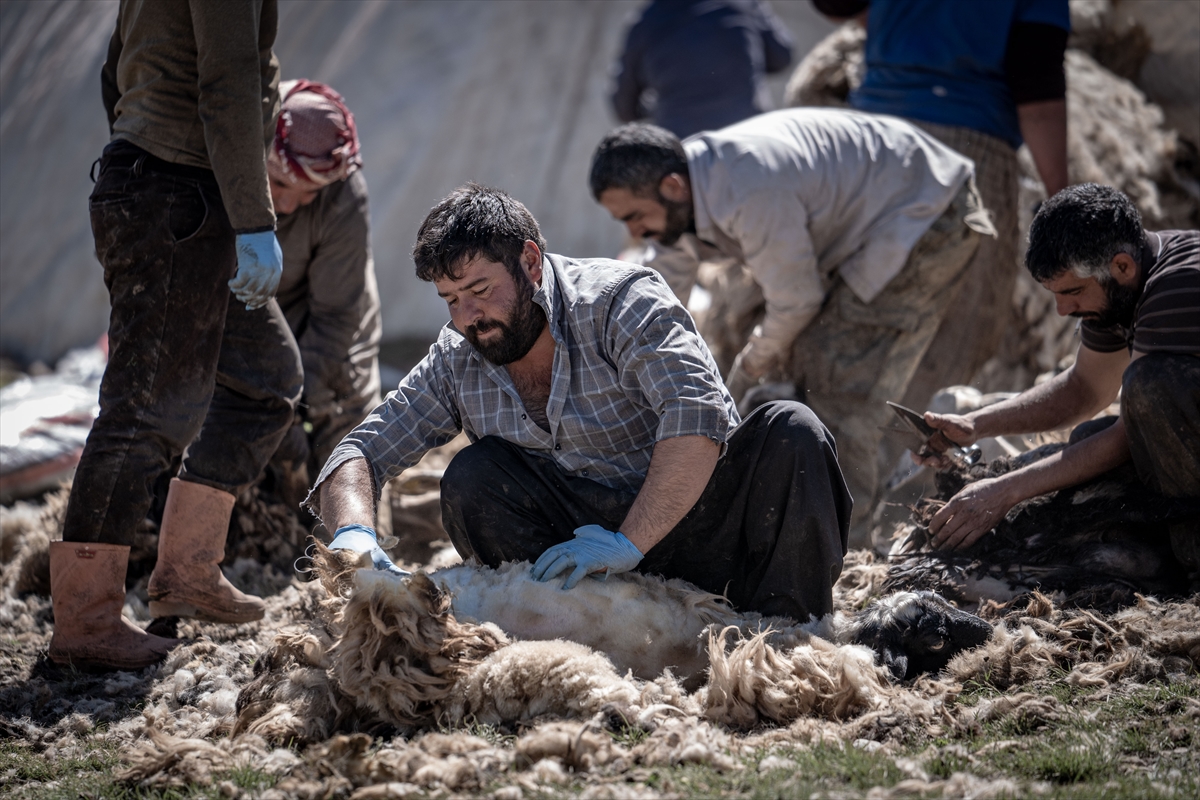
column 181, row 204
column 698, row 65
column 983, row 78
column 328, row 291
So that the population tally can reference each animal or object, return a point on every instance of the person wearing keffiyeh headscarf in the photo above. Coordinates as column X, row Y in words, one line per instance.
column 328, row 291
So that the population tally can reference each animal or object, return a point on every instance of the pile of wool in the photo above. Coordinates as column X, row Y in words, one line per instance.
column 266, row 696
column 26, row 529
column 1034, row 644
column 1037, row 639
column 186, row 736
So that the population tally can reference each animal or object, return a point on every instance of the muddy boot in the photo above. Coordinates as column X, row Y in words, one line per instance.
column 191, row 543
column 87, row 586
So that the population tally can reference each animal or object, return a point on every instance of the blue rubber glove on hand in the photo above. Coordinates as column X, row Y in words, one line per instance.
column 362, row 539
column 594, row 549
column 260, row 266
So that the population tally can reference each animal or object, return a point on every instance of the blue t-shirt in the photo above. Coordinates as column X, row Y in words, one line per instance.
column 942, row 61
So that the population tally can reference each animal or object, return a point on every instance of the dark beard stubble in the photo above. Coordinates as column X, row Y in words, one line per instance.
column 1122, row 303
column 678, row 222
column 521, row 328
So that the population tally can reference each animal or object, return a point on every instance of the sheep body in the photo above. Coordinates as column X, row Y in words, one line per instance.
column 439, row 648
column 641, row 623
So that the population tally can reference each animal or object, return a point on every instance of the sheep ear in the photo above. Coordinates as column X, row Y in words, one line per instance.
column 896, row 660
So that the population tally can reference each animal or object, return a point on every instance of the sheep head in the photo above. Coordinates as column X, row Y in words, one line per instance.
column 917, row 632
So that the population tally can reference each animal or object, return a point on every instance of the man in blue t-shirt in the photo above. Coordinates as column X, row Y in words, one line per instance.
column 983, row 78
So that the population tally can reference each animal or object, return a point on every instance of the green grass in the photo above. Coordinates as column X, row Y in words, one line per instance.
column 1137, row 743
column 27, row 774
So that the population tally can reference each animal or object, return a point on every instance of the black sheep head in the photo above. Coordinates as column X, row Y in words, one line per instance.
column 917, row 632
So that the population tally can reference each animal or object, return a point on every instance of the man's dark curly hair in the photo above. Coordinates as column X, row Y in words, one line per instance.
column 472, row 221
column 1082, row 228
column 636, row 157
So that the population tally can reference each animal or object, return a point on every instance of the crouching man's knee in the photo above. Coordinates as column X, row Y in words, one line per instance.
column 1160, row 404
column 790, row 423
column 472, row 468
column 492, row 508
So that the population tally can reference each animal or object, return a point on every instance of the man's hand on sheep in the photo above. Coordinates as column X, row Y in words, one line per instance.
column 971, row 513
column 362, row 539
column 593, row 550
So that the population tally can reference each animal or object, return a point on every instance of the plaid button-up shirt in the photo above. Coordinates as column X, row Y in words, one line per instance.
column 629, row 369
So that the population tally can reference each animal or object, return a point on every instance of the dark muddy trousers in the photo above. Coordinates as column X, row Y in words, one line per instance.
column 769, row 532
column 1160, row 401
column 189, row 366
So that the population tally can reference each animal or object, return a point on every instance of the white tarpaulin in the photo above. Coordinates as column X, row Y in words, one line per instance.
column 511, row 93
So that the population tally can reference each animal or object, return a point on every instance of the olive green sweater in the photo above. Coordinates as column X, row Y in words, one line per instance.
column 195, row 82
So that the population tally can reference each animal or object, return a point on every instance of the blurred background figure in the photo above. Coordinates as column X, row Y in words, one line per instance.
column 328, row 291
column 982, row 78
column 698, row 65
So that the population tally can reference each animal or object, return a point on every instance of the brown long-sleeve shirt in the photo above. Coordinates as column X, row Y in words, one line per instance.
column 329, row 296
column 195, row 82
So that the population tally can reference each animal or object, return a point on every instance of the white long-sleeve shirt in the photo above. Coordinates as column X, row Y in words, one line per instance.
column 804, row 195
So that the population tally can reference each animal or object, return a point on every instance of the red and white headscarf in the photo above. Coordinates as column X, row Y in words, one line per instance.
column 315, row 138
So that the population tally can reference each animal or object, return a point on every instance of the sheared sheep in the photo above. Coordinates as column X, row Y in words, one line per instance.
column 1100, row 543
column 473, row 643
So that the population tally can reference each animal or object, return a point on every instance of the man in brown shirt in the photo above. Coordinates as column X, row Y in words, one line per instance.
column 1138, row 296
column 181, row 204
column 328, row 291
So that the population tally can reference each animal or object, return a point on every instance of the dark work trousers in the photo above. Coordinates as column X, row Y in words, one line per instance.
column 769, row 532
column 1160, row 402
column 189, row 367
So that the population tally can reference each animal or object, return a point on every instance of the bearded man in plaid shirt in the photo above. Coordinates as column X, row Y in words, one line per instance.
column 602, row 437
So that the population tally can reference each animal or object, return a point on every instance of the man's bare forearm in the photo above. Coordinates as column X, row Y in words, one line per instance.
column 1072, row 465
column 1064, row 400
column 348, row 496
column 679, row 470
column 1044, row 129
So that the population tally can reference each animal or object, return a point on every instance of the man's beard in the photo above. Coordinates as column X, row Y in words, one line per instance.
column 679, row 221
column 1122, row 302
column 518, row 333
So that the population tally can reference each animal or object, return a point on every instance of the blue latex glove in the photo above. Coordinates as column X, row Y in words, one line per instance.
column 362, row 539
column 592, row 550
column 260, row 266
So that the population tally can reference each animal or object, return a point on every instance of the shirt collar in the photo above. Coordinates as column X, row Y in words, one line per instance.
column 549, row 298
column 695, row 149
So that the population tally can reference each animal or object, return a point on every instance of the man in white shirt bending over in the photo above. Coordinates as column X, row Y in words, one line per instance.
column 857, row 228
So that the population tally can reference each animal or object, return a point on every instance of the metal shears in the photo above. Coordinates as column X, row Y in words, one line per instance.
column 917, row 432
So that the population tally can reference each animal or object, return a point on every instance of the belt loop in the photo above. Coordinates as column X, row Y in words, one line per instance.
column 137, row 166
column 92, row 171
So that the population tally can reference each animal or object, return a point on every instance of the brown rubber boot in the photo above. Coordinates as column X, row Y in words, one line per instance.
column 186, row 581
column 87, row 587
